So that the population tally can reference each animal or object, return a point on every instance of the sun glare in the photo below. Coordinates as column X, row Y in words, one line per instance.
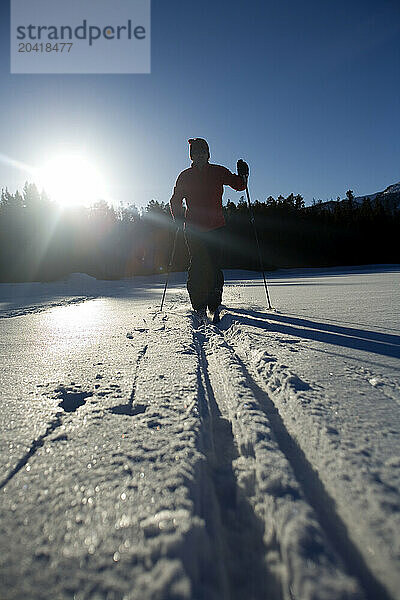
column 71, row 180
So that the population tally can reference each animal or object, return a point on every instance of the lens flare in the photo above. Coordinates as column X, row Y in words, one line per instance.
column 71, row 180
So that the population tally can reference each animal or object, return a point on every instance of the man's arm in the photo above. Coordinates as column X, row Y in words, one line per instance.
column 175, row 204
column 237, row 182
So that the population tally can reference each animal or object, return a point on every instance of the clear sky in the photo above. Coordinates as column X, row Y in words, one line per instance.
column 307, row 92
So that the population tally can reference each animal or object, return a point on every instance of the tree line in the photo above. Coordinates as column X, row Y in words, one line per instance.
column 40, row 242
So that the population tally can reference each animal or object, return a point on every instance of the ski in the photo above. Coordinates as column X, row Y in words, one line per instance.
column 216, row 316
column 201, row 317
column 207, row 317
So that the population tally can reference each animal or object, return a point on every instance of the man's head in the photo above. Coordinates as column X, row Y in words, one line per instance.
column 199, row 151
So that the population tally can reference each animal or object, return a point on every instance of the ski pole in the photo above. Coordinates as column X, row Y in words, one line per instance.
column 258, row 245
column 171, row 261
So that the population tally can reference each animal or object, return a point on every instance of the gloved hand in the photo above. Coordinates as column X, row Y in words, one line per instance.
column 242, row 168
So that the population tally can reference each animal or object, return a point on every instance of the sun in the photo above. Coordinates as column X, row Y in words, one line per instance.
column 71, row 180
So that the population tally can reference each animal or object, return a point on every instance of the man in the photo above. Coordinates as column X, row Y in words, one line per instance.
column 202, row 186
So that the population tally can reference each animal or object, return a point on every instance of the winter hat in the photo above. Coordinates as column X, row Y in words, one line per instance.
column 198, row 144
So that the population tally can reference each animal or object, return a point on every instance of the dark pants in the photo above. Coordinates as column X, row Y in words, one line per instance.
column 205, row 277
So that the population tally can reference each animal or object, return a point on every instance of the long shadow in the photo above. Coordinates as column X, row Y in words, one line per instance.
column 358, row 339
column 242, row 541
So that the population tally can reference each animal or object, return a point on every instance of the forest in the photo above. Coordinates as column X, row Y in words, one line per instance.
column 40, row 241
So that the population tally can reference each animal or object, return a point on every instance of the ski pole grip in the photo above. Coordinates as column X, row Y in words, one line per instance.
column 242, row 169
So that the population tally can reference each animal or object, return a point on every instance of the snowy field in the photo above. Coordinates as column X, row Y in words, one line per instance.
column 145, row 457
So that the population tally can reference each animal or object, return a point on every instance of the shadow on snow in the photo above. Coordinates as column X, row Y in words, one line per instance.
column 348, row 337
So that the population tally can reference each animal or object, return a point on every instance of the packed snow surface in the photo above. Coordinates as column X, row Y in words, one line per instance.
column 145, row 455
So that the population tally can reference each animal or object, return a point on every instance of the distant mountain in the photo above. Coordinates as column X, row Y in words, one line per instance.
column 390, row 198
column 393, row 189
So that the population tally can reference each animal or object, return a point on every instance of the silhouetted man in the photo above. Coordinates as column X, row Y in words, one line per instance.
column 202, row 186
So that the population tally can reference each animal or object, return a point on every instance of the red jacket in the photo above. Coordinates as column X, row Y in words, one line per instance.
column 202, row 190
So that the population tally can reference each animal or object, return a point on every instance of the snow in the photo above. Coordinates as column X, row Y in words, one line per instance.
column 145, row 456
column 393, row 189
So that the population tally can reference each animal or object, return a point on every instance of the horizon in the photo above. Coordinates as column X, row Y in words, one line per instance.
column 141, row 209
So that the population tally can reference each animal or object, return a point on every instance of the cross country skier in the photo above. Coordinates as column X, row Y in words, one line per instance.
column 202, row 187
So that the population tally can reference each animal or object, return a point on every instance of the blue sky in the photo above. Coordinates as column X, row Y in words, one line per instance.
column 308, row 93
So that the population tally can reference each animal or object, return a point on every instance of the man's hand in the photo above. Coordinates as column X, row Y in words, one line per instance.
column 242, row 168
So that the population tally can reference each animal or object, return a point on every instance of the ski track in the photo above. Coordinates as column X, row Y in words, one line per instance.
column 298, row 555
column 250, row 516
column 312, row 488
column 272, row 381
column 240, row 537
